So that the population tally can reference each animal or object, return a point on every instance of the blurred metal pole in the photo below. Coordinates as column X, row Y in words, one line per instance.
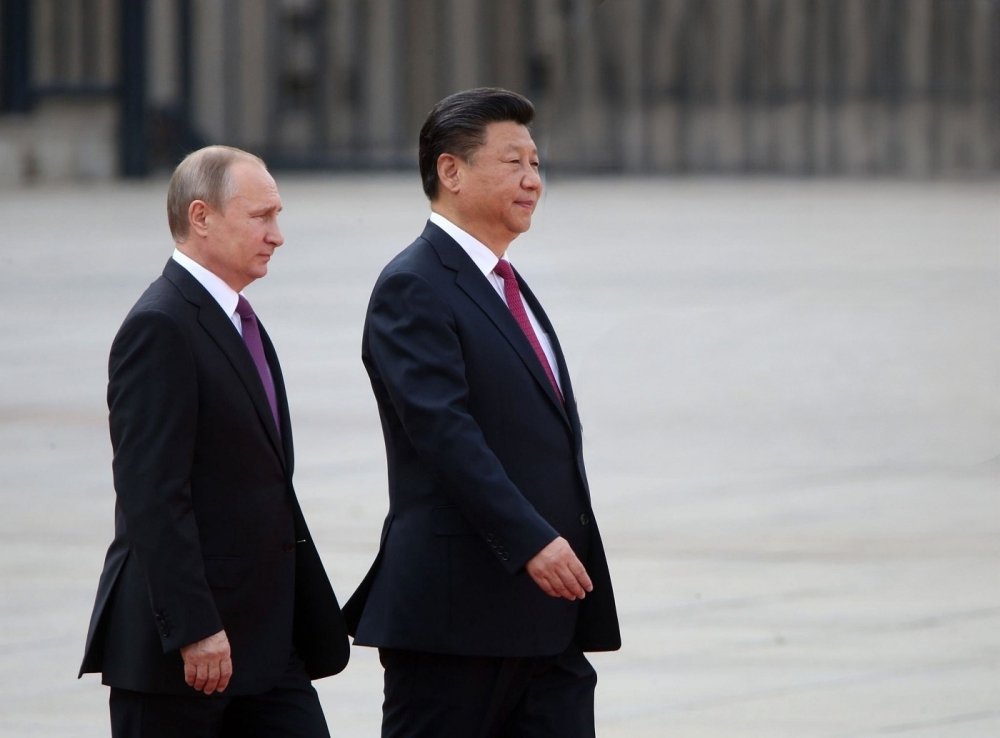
column 185, row 66
column 15, row 69
column 232, row 63
column 132, row 89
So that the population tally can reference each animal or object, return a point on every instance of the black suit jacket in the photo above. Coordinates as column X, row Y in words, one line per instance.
column 208, row 530
column 485, row 469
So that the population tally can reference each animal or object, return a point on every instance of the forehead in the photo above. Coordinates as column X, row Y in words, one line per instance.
column 508, row 135
column 252, row 181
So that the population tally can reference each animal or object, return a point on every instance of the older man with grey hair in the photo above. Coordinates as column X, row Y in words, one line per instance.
column 213, row 611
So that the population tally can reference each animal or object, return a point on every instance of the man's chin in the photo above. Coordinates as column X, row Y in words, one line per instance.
column 522, row 226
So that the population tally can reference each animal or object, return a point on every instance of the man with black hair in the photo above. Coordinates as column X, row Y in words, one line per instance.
column 491, row 579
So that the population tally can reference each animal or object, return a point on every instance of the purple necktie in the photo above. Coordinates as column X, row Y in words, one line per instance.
column 251, row 337
column 516, row 306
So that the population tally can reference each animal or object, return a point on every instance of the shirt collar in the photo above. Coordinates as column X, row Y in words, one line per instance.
column 476, row 249
column 223, row 294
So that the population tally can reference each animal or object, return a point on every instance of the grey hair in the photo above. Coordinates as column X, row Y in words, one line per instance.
column 202, row 175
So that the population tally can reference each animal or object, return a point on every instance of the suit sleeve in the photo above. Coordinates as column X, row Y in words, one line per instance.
column 153, row 405
column 416, row 353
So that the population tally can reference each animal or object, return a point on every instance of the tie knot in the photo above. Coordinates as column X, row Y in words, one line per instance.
column 504, row 269
column 243, row 308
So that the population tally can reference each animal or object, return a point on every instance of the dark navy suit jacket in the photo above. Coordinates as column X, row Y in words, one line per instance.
column 208, row 531
column 485, row 468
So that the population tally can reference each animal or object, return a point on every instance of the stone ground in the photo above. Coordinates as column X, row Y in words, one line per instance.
column 791, row 393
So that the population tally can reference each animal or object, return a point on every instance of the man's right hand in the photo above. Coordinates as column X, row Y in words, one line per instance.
column 208, row 665
column 558, row 571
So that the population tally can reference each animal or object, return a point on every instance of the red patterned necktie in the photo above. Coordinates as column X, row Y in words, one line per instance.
column 516, row 305
column 251, row 337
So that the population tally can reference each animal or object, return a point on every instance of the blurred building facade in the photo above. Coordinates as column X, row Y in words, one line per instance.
column 96, row 88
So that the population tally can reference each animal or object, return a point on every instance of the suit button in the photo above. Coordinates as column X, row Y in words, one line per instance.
column 288, row 548
column 584, row 519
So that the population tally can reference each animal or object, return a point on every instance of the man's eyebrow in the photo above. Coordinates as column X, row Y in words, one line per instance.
column 519, row 148
column 267, row 209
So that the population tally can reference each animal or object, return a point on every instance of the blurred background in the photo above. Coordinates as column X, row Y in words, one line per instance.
column 780, row 300
column 103, row 88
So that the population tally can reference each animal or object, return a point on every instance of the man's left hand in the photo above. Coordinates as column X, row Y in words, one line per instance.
column 558, row 571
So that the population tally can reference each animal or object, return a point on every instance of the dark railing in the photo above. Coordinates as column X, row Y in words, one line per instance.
column 907, row 87
column 72, row 45
column 77, row 50
column 801, row 86
column 870, row 87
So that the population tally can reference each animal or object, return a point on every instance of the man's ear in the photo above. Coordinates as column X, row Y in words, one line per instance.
column 449, row 172
column 198, row 215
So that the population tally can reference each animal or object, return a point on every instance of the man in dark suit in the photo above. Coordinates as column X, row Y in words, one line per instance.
column 491, row 578
column 213, row 610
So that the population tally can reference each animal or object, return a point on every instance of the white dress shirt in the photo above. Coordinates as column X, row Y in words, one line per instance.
column 486, row 260
column 225, row 295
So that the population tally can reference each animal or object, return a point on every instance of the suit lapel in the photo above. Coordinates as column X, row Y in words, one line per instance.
column 471, row 281
column 221, row 329
column 282, row 397
column 546, row 324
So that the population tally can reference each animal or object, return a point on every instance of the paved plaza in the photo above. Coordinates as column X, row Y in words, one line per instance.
column 790, row 392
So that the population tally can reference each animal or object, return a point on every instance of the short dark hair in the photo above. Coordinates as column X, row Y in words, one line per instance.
column 457, row 125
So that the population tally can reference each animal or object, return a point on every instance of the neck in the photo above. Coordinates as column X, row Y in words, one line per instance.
column 197, row 256
column 498, row 245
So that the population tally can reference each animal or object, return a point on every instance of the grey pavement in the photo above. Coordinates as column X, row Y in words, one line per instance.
column 791, row 400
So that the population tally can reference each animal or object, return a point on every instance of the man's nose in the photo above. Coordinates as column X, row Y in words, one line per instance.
column 533, row 179
column 275, row 236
